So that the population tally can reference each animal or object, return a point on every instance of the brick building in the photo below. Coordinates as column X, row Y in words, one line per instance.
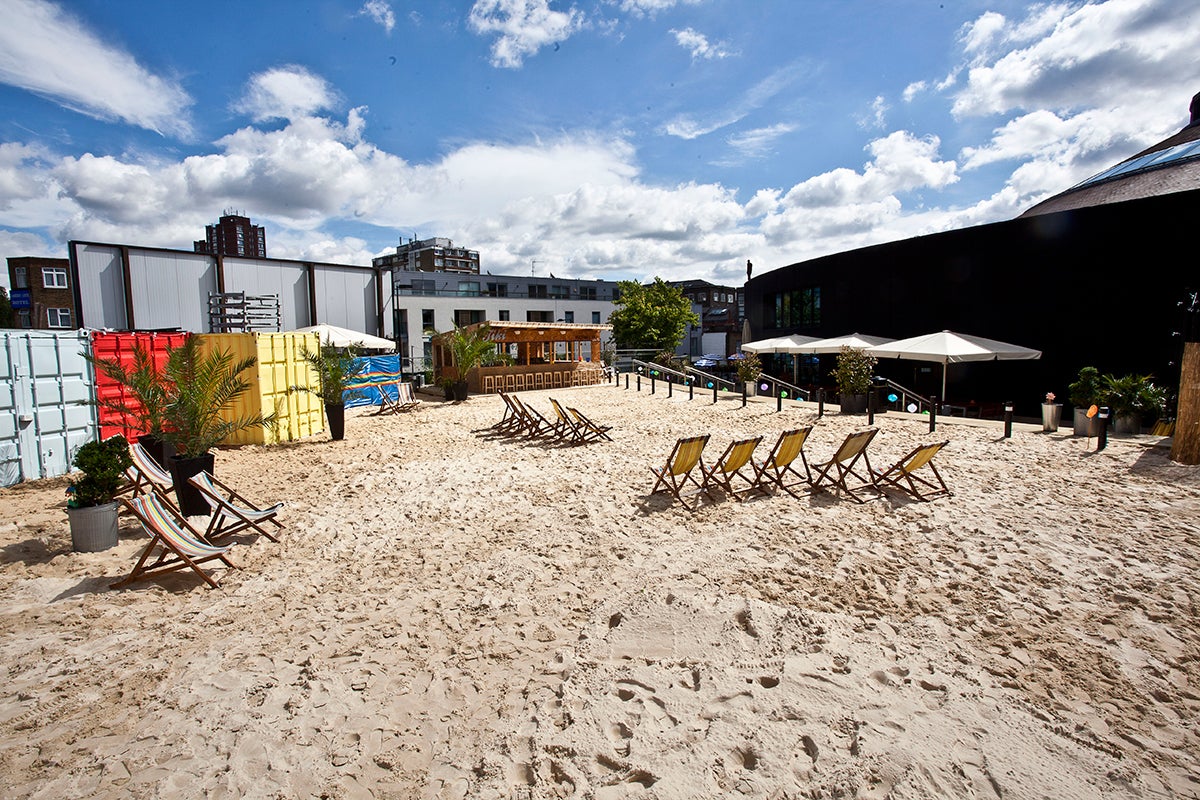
column 42, row 295
column 233, row 235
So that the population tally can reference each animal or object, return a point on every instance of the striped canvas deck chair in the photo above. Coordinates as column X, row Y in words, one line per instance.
column 684, row 458
column 231, row 512
column 591, row 430
column 566, row 426
column 837, row 472
column 738, row 456
column 780, row 465
column 901, row 474
column 145, row 475
column 387, row 403
column 178, row 544
column 406, row 396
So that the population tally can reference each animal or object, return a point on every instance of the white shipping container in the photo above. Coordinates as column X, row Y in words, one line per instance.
column 46, row 389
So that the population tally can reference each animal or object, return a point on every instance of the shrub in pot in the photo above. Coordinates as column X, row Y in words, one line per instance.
column 468, row 348
column 1129, row 398
column 1084, row 393
column 91, row 506
column 335, row 368
column 853, row 373
column 749, row 368
column 202, row 388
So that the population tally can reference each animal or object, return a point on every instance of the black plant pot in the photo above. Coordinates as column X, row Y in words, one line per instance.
column 158, row 448
column 854, row 404
column 191, row 502
column 337, row 421
column 460, row 390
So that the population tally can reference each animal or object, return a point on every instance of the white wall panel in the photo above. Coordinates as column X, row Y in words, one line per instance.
column 346, row 298
column 101, row 286
column 170, row 289
column 286, row 279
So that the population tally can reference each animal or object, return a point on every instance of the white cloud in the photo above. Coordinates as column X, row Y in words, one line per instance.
column 45, row 50
column 689, row 126
column 759, row 142
column 522, row 27
column 913, row 89
column 876, row 117
column 698, row 45
column 288, row 92
column 649, row 8
column 381, row 12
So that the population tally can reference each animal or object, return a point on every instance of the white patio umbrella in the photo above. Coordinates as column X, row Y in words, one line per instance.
column 780, row 344
column 948, row 348
column 344, row 337
column 859, row 341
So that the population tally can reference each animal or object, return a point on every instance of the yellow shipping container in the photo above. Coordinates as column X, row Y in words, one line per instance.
column 278, row 367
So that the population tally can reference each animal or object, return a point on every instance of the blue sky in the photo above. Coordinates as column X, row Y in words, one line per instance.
column 609, row 139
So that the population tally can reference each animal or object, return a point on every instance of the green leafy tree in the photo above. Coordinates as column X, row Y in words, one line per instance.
column 654, row 315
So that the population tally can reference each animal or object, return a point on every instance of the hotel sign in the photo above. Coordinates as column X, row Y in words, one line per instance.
column 19, row 298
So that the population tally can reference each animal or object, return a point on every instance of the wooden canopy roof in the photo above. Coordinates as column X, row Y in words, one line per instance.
column 524, row 332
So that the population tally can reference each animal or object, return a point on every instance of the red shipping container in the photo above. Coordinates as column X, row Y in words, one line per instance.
column 119, row 346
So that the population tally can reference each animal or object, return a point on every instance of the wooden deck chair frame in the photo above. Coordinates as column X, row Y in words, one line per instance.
column 591, row 430
column 231, row 512
column 507, row 423
column 569, row 429
column 838, row 470
column 533, row 424
column 737, row 456
column 145, row 475
column 901, row 475
column 683, row 461
column 780, row 464
column 182, row 547
column 386, row 404
column 407, row 396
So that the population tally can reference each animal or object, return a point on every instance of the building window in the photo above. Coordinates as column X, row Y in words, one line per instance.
column 24, row 320
column 58, row 317
column 497, row 290
column 797, row 308
column 595, row 317
column 560, row 292
column 568, row 316
column 423, row 287
column 587, row 292
column 427, row 323
column 468, row 288
column 539, row 316
column 504, row 315
column 20, row 278
column 54, row 277
column 462, row 317
column 537, row 290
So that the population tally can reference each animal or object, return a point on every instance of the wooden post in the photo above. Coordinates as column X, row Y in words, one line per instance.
column 1186, row 447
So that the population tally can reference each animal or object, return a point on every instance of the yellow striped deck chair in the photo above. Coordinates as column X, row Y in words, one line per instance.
column 838, row 470
column 738, row 456
column 178, row 543
column 684, row 458
column 900, row 475
column 781, row 463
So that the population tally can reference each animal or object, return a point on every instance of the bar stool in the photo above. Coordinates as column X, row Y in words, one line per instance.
column 489, row 384
column 520, row 387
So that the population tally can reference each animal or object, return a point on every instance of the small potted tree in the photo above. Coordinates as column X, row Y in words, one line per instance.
column 91, row 505
column 749, row 368
column 1051, row 412
column 1129, row 398
column 853, row 374
column 467, row 350
column 202, row 390
column 143, row 399
column 1084, row 393
column 335, row 369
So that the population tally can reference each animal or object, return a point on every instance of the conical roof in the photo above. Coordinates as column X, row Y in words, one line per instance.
column 1172, row 165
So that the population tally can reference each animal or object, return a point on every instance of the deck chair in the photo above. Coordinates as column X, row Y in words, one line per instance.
column 388, row 404
column 591, row 430
column 567, row 427
column 843, row 466
column 145, row 475
column 406, row 396
column 507, row 423
column 900, row 475
column 532, row 423
column 673, row 477
column 738, row 456
column 781, row 463
column 179, row 545
column 232, row 513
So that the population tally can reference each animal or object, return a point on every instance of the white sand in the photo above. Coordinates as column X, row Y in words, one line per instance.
column 453, row 616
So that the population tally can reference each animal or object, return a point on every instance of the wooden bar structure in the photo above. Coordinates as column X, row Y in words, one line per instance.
column 546, row 355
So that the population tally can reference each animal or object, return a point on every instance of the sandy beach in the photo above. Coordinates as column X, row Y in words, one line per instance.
column 454, row 616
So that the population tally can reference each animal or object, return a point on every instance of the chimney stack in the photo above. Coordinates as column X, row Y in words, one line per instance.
column 1195, row 109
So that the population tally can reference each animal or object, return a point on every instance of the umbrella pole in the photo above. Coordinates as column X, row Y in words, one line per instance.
column 944, row 366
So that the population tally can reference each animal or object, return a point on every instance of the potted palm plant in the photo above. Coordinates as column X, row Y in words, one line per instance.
column 1084, row 393
column 853, row 374
column 91, row 505
column 1129, row 398
column 198, row 413
column 335, row 368
column 468, row 347
column 142, row 401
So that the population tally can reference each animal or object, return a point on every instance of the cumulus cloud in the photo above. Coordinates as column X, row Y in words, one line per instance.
column 48, row 51
column 521, row 27
column 650, row 7
column 288, row 92
column 381, row 12
column 698, row 45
